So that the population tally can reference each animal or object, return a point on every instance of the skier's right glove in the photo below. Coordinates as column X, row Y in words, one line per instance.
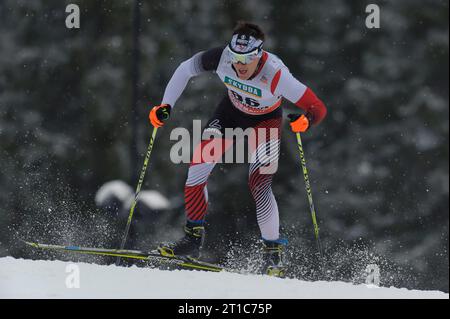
column 159, row 114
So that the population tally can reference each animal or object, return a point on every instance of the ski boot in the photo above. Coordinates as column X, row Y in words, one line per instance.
column 188, row 246
column 272, row 258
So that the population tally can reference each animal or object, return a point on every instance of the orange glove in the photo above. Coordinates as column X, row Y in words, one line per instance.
column 159, row 114
column 300, row 123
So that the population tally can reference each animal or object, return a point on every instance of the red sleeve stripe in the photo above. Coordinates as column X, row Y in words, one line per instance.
column 309, row 102
column 275, row 81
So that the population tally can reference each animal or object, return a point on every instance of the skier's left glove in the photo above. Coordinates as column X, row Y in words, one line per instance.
column 159, row 114
column 300, row 123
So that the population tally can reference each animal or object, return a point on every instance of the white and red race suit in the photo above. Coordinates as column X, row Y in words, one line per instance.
column 253, row 103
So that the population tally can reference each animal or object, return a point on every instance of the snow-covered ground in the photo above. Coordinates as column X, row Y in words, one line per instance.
column 21, row 278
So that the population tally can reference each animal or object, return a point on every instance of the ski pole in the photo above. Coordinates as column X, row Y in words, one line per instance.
column 309, row 193
column 138, row 190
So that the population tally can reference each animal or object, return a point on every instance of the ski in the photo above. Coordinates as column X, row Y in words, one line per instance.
column 180, row 261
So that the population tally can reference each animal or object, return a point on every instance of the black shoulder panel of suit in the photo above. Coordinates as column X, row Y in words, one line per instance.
column 211, row 58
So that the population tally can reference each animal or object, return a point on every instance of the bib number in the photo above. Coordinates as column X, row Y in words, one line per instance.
column 248, row 101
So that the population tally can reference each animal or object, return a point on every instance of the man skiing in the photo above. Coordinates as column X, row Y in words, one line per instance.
column 256, row 82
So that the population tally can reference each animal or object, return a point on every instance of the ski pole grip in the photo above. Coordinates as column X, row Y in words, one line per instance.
column 293, row 117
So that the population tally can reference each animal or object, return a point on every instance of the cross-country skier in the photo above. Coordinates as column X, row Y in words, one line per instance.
column 256, row 82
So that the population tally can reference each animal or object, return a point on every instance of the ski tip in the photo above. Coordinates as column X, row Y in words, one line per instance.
column 29, row 243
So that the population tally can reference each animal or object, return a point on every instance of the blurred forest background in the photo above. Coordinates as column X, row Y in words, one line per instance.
column 378, row 164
